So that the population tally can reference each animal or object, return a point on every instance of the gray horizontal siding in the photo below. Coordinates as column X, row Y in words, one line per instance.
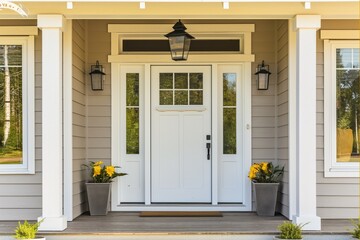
column 282, row 113
column 79, row 116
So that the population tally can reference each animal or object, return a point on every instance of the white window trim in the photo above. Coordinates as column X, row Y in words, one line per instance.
column 28, row 94
column 332, row 168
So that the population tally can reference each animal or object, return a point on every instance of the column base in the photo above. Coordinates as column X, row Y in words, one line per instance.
column 312, row 222
column 53, row 223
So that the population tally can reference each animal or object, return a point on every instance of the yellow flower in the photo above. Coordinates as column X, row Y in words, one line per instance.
column 98, row 163
column 265, row 166
column 110, row 170
column 253, row 170
column 97, row 170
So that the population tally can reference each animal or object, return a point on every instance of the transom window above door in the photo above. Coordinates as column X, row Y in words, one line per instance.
column 180, row 89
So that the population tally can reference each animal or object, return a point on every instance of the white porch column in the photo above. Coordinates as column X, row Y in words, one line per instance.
column 52, row 166
column 306, row 26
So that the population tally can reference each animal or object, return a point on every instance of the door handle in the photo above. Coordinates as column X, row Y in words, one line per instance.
column 208, row 146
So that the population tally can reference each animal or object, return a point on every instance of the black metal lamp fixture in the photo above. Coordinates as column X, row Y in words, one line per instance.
column 263, row 76
column 97, row 77
column 179, row 41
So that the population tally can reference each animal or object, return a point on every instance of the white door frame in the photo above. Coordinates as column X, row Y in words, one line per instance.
column 246, row 138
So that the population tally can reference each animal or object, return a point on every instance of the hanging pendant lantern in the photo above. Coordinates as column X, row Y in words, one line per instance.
column 179, row 41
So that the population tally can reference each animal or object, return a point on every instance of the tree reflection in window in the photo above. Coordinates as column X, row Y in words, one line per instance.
column 11, row 132
column 229, row 113
column 348, row 104
column 132, row 113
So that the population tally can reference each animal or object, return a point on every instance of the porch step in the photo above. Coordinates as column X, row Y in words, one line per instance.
column 178, row 237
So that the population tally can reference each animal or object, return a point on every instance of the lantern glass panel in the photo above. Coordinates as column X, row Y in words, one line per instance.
column 263, row 81
column 96, row 82
column 177, row 47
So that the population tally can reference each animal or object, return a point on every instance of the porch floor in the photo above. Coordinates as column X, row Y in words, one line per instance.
column 122, row 223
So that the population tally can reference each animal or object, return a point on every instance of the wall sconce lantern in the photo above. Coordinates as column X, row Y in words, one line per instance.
column 97, row 77
column 263, row 76
column 179, row 41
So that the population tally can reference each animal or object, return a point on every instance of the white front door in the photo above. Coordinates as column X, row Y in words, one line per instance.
column 181, row 134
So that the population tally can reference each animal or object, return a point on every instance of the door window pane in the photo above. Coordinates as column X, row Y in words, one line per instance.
column 196, row 97
column 181, row 97
column 132, row 113
column 229, row 86
column 166, row 81
column 229, row 130
column 132, row 89
column 132, row 131
column 181, row 80
column 166, row 98
column 196, row 80
column 347, row 105
column 229, row 113
column 11, row 131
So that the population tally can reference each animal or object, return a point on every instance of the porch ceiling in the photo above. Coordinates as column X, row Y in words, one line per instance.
column 119, row 9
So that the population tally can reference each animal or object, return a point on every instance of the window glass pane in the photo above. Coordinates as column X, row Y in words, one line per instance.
column 229, row 89
column 13, row 53
column 132, row 89
column 196, row 97
column 132, row 130
column 356, row 58
column 343, row 58
column 166, row 81
column 348, row 115
column 181, row 80
column 196, row 80
column 181, row 97
column 11, row 131
column 166, row 98
column 229, row 131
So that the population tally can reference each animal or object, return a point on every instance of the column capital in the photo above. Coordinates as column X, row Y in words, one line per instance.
column 307, row 22
column 51, row 21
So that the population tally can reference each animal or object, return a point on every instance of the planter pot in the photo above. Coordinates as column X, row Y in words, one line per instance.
column 98, row 198
column 277, row 238
column 266, row 196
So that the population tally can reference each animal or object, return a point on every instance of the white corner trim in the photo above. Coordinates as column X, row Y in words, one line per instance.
column 340, row 34
column 67, row 119
column 292, row 106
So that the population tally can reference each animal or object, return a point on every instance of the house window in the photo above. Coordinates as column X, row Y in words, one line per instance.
column 342, row 108
column 16, row 105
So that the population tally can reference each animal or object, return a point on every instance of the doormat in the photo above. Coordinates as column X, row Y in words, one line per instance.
column 180, row 214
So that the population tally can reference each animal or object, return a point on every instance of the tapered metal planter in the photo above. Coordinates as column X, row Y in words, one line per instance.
column 266, row 197
column 99, row 198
